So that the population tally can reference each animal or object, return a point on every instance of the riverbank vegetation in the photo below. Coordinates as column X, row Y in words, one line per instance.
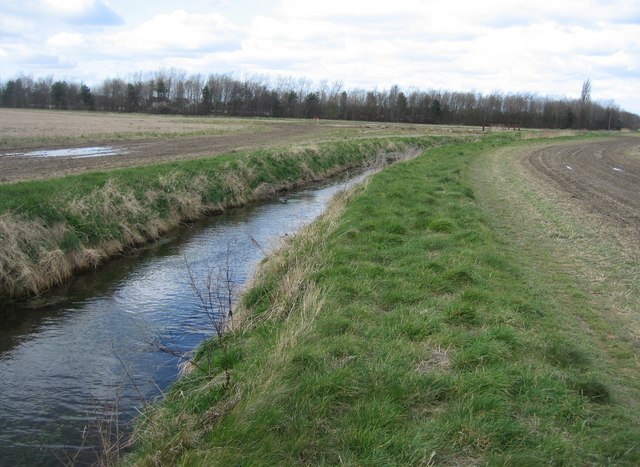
column 52, row 228
column 175, row 92
column 407, row 327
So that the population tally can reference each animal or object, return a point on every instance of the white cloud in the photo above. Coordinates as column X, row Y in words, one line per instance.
column 65, row 40
column 547, row 47
column 14, row 26
column 176, row 31
column 510, row 45
column 95, row 12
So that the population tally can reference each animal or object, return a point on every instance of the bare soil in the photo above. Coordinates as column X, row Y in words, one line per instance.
column 150, row 139
column 142, row 139
column 143, row 152
column 602, row 176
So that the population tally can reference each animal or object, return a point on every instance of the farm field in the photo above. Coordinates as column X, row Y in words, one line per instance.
column 572, row 210
column 601, row 177
column 150, row 139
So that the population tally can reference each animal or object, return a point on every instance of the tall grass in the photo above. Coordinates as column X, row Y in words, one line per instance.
column 51, row 228
column 402, row 330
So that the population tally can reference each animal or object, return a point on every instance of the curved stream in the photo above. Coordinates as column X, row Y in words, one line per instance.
column 65, row 355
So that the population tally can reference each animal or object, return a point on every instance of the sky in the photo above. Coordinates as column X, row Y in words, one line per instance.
column 544, row 47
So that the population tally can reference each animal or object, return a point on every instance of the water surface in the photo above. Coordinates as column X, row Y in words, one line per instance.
column 66, row 354
column 73, row 153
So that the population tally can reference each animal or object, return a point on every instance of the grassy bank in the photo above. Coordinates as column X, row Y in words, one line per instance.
column 50, row 229
column 404, row 328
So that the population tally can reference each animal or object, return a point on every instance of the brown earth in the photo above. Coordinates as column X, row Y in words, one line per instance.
column 602, row 176
column 142, row 139
column 143, row 152
column 150, row 139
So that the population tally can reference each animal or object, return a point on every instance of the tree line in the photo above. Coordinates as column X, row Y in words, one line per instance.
column 172, row 91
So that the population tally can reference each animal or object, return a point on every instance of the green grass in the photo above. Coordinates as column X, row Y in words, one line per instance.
column 403, row 329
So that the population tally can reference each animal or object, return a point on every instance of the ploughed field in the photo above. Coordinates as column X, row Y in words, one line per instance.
column 137, row 139
column 602, row 177
column 149, row 139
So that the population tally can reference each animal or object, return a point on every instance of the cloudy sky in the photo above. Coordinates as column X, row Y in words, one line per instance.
column 545, row 47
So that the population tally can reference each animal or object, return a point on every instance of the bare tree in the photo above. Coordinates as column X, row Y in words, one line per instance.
column 216, row 293
column 240, row 94
column 584, row 110
column 585, row 95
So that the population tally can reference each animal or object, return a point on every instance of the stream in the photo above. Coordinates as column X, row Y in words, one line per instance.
column 90, row 350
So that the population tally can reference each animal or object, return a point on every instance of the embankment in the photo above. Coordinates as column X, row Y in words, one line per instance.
column 51, row 229
column 402, row 329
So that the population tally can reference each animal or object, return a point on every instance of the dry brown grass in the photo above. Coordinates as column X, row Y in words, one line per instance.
column 531, row 134
column 294, row 262
column 29, row 256
column 438, row 359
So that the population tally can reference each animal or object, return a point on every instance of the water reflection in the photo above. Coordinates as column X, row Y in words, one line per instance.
column 65, row 352
column 73, row 153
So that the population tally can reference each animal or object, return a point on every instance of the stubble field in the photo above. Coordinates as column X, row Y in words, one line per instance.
column 150, row 139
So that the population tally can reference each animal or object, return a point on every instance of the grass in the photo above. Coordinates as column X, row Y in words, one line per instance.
column 587, row 259
column 50, row 229
column 406, row 328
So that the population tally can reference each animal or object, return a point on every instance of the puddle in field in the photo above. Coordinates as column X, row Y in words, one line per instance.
column 74, row 153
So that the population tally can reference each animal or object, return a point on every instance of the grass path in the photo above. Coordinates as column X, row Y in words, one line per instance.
column 411, row 327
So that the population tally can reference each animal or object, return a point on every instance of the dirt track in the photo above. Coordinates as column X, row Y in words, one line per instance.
column 603, row 176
